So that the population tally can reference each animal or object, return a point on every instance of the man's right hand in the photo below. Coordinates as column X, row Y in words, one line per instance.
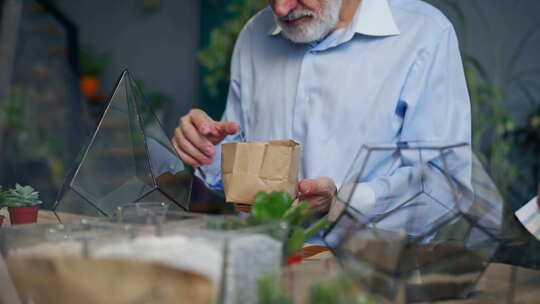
column 196, row 136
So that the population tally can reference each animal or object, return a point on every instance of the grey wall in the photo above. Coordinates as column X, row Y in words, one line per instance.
column 494, row 34
column 158, row 48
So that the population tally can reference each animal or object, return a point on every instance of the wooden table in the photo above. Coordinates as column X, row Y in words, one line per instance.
column 493, row 288
column 44, row 217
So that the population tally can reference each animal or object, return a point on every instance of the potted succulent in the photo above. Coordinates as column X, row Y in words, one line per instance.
column 23, row 204
column 279, row 205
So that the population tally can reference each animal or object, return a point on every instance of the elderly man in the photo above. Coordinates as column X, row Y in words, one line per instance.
column 334, row 75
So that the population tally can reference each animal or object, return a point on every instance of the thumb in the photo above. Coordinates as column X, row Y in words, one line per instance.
column 306, row 186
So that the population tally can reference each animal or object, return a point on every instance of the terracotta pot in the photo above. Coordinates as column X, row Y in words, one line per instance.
column 294, row 259
column 243, row 208
column 23, row 215
column 89, row 86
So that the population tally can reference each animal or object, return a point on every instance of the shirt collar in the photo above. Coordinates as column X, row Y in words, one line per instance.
column 372, row 18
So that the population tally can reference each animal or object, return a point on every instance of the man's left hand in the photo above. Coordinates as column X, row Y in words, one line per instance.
column 318, row 193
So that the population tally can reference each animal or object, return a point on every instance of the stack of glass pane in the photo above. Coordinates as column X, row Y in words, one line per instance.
column 129, row 159
column 416, row 218
column 231, row 251
column 252, row 246
column 123, row 256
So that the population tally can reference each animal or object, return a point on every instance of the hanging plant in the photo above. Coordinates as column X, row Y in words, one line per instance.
column 215, row 59
column 150, row 6
column 92, row 67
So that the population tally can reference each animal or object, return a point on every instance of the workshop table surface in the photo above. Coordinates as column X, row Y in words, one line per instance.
column 493, row 288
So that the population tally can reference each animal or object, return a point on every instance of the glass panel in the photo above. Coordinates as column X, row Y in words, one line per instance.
column 172, row 176
column 74, row 204
column 129, row 159
column 425, row 214
column 114, row 168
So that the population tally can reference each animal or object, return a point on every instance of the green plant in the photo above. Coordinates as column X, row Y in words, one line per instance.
column 335, row 290
column 279, row 205
column 527, row 139
column 215, row 58
column 270, row 290
column 20, row 197
column 340, row 290
column 2, row 195
column 13, row 112
column 150, row 6
column 92, row 63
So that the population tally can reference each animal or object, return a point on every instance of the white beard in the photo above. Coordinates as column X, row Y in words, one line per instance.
column 315, row 29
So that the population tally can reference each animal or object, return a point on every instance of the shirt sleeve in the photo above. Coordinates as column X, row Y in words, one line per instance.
column 211, row 174
column 437, row 105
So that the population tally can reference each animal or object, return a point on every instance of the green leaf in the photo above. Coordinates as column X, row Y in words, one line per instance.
column 260, row 210
column 296, row 241
column 281, row 198
column 293, row 214
column 20, row 197
column 305, row 215
column 317, row 226
column 272, row 206
column 262, row 198
column 279, row 203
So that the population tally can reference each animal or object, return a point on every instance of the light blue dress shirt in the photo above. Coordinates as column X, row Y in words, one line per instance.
column 394, row 74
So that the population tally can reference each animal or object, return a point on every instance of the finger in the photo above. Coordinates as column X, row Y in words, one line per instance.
column 220, row 130
column 317, row 203
column 185, row 158
column 191, row 133
column 228, row 128
column 321, row 208
column 187, row 148
column 322, row 185
column 201, row 121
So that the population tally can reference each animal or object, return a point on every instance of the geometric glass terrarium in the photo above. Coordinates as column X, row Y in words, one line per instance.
column 416, row 221
column 129, row 159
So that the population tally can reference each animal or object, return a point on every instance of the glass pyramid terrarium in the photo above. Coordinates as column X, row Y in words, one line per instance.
column 416, row 221
column 129, row 159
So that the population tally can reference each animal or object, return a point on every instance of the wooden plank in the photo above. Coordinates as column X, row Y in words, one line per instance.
column 45, row 217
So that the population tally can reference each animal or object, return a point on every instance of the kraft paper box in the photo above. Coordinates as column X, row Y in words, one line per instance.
column 249, row 168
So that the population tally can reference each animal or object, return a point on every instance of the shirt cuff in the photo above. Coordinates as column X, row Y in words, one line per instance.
column 363, row 198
